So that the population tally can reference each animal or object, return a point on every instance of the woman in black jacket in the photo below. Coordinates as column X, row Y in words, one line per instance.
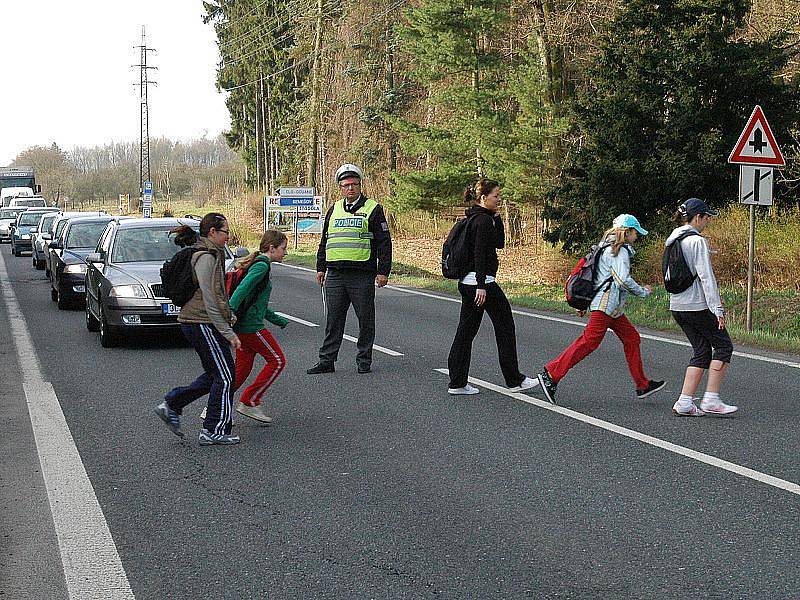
column 480, row 292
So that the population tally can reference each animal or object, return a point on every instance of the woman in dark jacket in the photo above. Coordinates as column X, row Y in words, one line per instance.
column 480, row 292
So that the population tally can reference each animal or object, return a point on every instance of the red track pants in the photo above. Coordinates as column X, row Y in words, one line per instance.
column 264, row 344
column 592, row 335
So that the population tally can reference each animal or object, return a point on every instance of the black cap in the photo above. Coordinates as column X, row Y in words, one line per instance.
column 695, row 206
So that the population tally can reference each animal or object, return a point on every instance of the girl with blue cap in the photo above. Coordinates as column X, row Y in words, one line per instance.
column 607, row 311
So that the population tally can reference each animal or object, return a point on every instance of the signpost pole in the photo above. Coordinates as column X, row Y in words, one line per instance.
column 296, row 229
column 751, row 257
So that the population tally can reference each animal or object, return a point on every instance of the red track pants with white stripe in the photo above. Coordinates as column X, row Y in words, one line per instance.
column 264, row 344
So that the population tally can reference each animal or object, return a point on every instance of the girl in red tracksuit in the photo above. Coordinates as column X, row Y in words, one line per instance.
column 255, row 338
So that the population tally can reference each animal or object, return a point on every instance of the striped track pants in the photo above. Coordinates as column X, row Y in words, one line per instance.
column 264, row 344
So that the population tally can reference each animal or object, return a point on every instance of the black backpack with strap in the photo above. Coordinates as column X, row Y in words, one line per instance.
column 674, row 269
column 177, row 279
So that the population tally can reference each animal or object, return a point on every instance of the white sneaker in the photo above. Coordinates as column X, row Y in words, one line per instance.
column 465, row 391
column 526, row 384
column 718, row 408
column 254, row 412
column 686, row 410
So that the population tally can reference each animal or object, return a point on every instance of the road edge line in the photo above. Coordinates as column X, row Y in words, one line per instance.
column 92, row 566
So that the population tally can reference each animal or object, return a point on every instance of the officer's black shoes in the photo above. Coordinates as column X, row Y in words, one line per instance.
column 364, row 368
column 321, row 367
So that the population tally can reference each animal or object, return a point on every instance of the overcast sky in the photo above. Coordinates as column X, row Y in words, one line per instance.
column 67, row 76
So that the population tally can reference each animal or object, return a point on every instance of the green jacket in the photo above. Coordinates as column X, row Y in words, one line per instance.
column 253, row 320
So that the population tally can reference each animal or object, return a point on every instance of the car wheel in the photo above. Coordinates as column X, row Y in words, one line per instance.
column 109, row 336
column 53, row 294
column 92, row 324
column 39, row 264
column 34, row 261
column 62, row 302
column 47, row 272
column 14, row 250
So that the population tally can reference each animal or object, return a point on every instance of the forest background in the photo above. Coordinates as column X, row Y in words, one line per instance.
column 581, row 109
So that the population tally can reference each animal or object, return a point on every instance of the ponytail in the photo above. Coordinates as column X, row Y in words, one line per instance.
column 483, row 187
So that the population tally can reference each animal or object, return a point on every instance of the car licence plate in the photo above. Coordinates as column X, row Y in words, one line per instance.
column 170, row 309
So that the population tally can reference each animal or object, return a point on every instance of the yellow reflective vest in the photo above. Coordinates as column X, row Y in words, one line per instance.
column 349, row 236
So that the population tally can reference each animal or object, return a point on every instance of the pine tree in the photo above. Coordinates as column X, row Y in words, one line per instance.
column 670, row 91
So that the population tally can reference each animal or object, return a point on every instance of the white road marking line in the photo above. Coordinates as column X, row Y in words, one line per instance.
column 655, row 338
column 388, row 351
column 713, row 461
column 91, row 563
column 349, row 338
column 297, row 320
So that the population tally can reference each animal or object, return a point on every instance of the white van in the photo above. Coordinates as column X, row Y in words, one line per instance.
column 27, row 201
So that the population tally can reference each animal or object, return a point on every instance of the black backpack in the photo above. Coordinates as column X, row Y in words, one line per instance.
column 677, row 275
column 457, row 251
column 177, row 278
column 580, row 289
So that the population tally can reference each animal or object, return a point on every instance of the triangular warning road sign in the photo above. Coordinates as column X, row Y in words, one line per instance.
column 757, row 145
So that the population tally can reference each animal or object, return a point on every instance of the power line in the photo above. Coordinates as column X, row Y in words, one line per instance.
column 395, row 5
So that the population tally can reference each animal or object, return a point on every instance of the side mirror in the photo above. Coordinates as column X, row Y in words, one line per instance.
column 38, row 190
column 241, row 252
column 94, row 257
column 47, row 236
column 56, row 245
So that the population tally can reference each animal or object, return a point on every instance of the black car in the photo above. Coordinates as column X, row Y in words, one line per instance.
column 123, row 278
column 68, row 261
column 56, row 233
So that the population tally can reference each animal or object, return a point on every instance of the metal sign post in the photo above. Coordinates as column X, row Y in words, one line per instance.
column 757, row 152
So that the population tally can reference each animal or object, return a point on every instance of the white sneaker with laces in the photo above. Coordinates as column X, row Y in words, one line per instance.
column 254, row 412
column 718, row 408
column 686, row 410
column 526, row 384
column 467, row 390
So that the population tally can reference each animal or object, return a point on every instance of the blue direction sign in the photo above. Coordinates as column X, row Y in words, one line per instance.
column 296, row 196
column 148, row 187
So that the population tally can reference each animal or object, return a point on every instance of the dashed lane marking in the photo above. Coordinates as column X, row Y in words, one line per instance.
column 91, row 563
column 524, row 313
column 349, row 338
column 641, row 437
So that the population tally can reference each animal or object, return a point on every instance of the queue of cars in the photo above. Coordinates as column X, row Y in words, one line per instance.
column 110, row 265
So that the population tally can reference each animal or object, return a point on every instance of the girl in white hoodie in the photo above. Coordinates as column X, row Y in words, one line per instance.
column 698, row 310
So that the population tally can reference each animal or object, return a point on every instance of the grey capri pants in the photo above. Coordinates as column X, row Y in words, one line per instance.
column 708, row 341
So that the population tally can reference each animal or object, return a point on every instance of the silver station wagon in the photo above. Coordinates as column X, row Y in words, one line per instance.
column 123, row 277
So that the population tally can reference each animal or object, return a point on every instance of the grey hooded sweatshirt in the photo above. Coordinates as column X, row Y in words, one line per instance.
column 704, row 292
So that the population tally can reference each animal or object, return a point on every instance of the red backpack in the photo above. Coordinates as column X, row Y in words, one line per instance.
column 580, row 288
column 232, row 281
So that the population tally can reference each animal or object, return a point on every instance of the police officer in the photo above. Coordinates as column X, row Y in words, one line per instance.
column 354, row 256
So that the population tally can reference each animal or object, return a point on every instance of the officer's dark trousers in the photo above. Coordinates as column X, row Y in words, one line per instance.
column 470, row 321
column 344, row 287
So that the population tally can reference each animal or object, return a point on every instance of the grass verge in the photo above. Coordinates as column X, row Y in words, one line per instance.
column 777, row 312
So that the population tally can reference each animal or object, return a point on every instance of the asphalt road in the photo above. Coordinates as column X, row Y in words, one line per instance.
column 384, row 486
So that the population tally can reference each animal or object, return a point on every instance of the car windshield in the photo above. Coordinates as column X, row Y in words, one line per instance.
column 85, row 235
column 60, row 227
column 45, row 223
column 31, row 202
column 9, row 213
column 144, row 244
column 29, row 218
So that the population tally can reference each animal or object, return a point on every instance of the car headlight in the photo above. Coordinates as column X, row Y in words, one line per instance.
column 79, row 268
column 25, row 236
column 128, row 291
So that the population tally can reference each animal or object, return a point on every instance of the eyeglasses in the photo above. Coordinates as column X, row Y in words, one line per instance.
column 225, row 231
column 349, row 185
